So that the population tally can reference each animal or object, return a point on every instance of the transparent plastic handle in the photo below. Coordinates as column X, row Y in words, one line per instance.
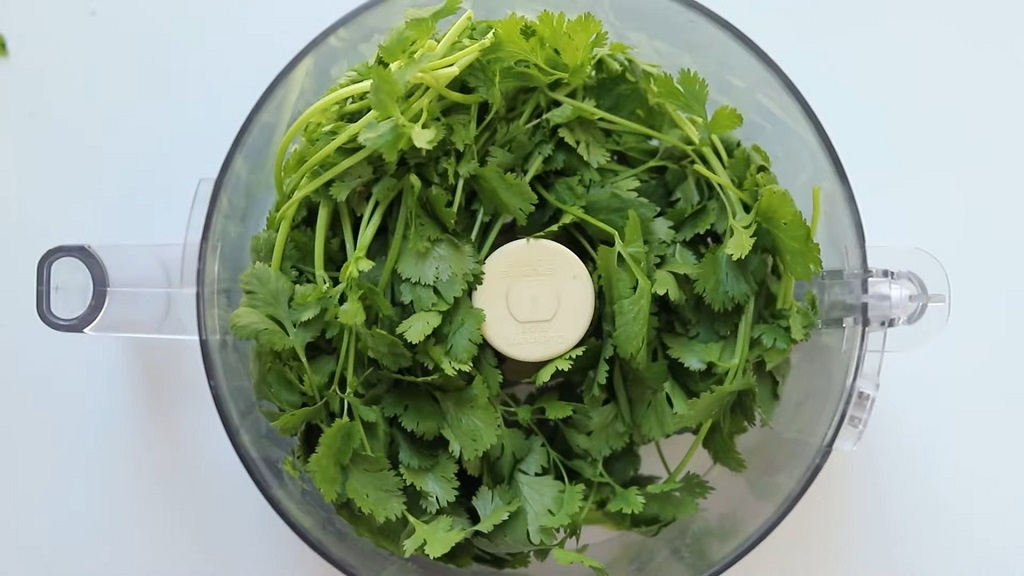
column 899, row 302
column 125, row 290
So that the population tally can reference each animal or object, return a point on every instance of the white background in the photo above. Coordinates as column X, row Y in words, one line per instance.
column 113, row 462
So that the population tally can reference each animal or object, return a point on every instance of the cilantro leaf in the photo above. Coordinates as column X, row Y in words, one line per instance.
column 665, row 284
column 420, row 325
column 292, row 422
column 441, row 261
column 560, row 364
column 250, row 324
column 436, row 537
column 374, row 487
column 725, row 119
column 386, row 349
column 631, row 322
column 691, row 353
column 471, row 423
column 463, row 331
column 555, row 409
column 777, row 213
column 721, row 281
column 567, row 557
column 542, row 498
column 333, row 452
column 536, row 459
column 493, row 507
column 416, row 409
column 772, row 336
column 627, row 500
column 504, row 193
column 437, row 484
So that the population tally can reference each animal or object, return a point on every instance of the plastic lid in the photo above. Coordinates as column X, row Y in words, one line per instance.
column 538, row 299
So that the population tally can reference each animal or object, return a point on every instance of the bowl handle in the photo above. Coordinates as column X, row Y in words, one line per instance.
column 124, row 290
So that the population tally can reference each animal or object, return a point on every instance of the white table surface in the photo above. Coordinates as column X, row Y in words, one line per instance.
column 114, row 462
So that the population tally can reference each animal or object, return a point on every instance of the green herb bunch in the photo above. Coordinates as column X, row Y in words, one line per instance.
column 395, row 186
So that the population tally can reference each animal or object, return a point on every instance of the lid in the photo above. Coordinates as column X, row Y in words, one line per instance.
column 830, row 383
column 538, row 299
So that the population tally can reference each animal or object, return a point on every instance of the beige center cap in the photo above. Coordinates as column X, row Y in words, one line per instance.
column 538, row 298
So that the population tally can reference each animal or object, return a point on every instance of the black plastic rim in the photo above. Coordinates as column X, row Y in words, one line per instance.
column 248, row 462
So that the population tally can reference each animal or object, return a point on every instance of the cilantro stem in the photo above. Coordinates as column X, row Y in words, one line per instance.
column 361, row 233
column 717, row 142
column 661, row 456
column 815, row 210
column 619, row 385
column 326, row 177
column 287, row 215
column 499, row 223
column 346, row 227
column 622, row 122
column 448, row 93
column 394, row 248
column 346, row 136
column 342, row 357
column 323, row 220
column 719, row 179
column 458, row 56
column 640, row 276
column 350, row 385
column 685, row 125
column 691, row 452
column 476, row 226
column 577, row 213
column 310, row 113
column 458, row 194
column 369, row 227
column 742, row 343
column 584, row 243
column 630, row 172
column 453, row 33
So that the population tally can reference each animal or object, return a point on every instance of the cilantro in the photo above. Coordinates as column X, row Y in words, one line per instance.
column 418, row 326
column 437, row 483
column 436, row 537
column 560, row 364
column 374, row 487
column 391, row 191
column 493, row 507
column 333, row 453
column 567, row 557
column 627, row 500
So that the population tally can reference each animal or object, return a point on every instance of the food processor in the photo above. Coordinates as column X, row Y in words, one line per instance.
column 872, row 301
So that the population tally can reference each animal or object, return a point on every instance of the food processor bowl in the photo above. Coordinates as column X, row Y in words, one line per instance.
column 188, row 290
